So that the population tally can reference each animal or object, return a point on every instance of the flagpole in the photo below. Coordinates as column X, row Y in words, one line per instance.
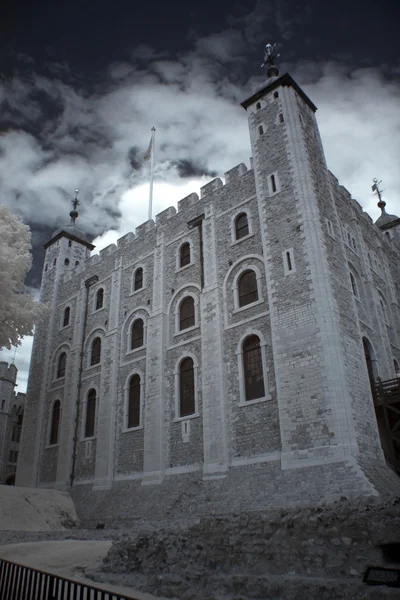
column 153, row 135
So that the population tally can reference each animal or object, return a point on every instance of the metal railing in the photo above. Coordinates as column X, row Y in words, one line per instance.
column 19, row 582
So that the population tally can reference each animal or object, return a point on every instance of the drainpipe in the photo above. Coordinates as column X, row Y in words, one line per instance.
column 198, row 222
column 88, row 283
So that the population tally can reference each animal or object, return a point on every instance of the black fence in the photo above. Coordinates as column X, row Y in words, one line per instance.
column 18, row 582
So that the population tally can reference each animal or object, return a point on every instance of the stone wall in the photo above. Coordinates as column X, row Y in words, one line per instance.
column 288, row 554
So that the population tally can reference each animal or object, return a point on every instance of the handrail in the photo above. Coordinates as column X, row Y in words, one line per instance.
column 19, row 582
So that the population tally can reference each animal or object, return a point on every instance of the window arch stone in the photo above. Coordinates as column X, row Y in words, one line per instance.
column 133, row 401
column 95, row 351
column 234, row 222
column 260, row 366
column 54, row 422
column 66, row 316
column 61, row 365
column 187, row 378
column 184, row 251
column 137, row 334
column 99, row 299
column 138, row 279
column 246, row 267
column 90, row 413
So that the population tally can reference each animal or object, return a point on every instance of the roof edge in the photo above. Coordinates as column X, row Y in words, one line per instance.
column 70, row 237
column 284, row 80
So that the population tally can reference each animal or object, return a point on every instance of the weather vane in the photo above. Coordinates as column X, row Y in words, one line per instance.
column 269, row 57
column 375, row 188
column 75, row 201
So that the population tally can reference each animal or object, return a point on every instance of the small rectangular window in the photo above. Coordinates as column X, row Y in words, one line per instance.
column 288, row 261
column 281, row 119
column 273, row 183
column 329, row 226
column 260, row 129
column 258, row 105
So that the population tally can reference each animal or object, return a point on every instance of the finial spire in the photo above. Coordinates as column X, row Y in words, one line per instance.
column 75, row 202
column 378, row 192
column 269, row 58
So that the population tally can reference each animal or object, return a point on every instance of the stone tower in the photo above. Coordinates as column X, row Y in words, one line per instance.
column 8, row 377
column 67, row 248
column 317, row 348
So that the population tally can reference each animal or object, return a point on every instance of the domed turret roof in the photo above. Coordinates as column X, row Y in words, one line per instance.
column 72, row 229
column 385, row 218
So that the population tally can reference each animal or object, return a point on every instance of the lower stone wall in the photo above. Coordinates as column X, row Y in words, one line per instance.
column 290, row 554
column 248, row 488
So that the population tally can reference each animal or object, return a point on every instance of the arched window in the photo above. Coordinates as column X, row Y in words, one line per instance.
column 76, row 263
column 247, row 285
column 252, row 368
column 55, row 422
column 66, row 261
column 134, row 402
column 90, row 413
column 354, row 285
column 186, row 388
column 99, row 298
column 241, row 226
column 186, row 313
column 396, row 366
column 383, row 309
column 137, row 336
column 62, row 363
column 3, row 404
column 260, row 129
column 184, row 254
column 67, row 313
column 95, row 356
column 138, row 281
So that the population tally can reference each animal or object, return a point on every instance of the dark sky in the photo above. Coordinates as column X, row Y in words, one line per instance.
column 86, row 37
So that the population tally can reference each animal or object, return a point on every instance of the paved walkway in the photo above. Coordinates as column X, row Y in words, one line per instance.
column 67, row 558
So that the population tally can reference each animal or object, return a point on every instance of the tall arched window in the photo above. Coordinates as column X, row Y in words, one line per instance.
column 62, row 363
column 396, row 366
column 99, row 298
column 95, row 355
column 67, row 314
column 186, row 387
column 138, row 280
column 184, row 254
column 186, row 313
column 55, row 422
column 383, row 309
column 90, row 413
column 247, row 286
column 134, row 402
column 354, row 285
column 241, row 226
column 252, row 368
column 137, row 334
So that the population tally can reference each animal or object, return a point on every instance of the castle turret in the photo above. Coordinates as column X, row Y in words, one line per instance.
column 314, row 355
column 65, row 251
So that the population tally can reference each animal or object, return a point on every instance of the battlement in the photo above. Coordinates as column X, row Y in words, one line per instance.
column 161, row 220
column 8, row 372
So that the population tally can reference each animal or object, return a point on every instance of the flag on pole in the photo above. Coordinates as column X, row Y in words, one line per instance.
column 149, row 150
